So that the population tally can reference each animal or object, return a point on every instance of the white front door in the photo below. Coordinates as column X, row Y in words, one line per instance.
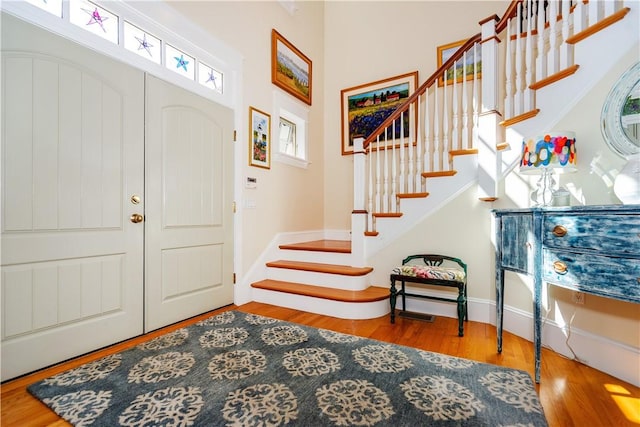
column 79, row 272
column 189, row 197
column 72, row 158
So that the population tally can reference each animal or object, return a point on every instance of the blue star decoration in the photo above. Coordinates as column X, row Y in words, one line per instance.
column 96, row 18
column 144, row 44
column 212, row 79
column 181, row 62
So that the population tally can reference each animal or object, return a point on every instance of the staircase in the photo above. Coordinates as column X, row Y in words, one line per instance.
column 337, row 290
column 398, row 181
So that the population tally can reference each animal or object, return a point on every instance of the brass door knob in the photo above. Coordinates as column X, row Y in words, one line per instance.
column 136, row 218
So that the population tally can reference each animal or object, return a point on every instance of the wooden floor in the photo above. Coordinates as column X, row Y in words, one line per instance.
column 572, row 394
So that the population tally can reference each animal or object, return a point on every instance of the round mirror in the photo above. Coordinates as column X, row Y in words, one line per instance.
column 620, row 122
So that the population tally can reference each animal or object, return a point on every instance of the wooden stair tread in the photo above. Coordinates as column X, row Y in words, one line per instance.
column 340, row 246
column 387, row 214
column 412, row 195
column 438, row 174
column 344, row 270
column 372, row 293
column 464, row 152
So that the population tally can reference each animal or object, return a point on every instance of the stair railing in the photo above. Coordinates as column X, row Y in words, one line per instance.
column 468, row 115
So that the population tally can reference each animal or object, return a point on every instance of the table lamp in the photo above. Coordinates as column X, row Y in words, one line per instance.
column 543, row 153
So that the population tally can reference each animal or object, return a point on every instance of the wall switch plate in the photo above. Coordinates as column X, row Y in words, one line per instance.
column 251, row 182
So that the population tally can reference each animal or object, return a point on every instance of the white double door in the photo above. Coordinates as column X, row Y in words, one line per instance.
column 116, row 201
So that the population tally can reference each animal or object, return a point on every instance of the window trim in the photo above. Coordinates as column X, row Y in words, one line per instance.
column 298, row 114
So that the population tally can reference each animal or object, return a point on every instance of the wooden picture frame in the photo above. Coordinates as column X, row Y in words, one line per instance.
column 259, row 138
column 466, row 72
column 366, row 106
column 291, row 70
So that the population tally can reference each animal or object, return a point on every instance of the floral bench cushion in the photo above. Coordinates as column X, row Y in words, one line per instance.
column 430, row 272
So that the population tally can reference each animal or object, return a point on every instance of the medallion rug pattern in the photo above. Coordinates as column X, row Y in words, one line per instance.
column 239, row 369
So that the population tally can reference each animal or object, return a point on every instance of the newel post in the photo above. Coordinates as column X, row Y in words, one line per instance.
column 359, row 213
column 489, row 131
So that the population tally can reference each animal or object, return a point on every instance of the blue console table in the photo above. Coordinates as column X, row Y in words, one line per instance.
column 591, row 249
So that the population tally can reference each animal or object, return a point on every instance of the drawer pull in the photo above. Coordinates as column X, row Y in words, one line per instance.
column 559, row 231
column 560, row 267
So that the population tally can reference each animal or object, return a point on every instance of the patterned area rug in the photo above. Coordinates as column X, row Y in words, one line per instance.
column 238, row 369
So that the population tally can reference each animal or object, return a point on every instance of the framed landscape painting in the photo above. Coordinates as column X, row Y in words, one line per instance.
column 366, row 106
column 462, row 71
column 259, row 138
column 291, row 70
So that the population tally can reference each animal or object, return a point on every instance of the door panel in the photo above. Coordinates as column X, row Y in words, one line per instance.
column 72, row 156
column 189, row 196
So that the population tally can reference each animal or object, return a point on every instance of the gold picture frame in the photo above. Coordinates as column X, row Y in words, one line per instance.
column 446, row 51
column 259, row 138
column 291, row 70
column 366, row 106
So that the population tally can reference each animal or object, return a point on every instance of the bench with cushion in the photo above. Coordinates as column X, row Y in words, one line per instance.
column 434, row 270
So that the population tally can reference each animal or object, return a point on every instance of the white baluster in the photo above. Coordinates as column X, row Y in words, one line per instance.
column 528, row 93
column 409, row 148
column 403, row 156
column 385, row 170
column 378, row 176
column 579, row 17
column 415, row 161
column 465, row 97
column 553, row 56
column 508, row 68
column 428, row 159
column 445, row 124
column 541, row 63
column 413, row 110
column 595, row 12
column 476, row 101
column 394, row 179
column 371, row 184
column 436, row 131
column 566, row 50
column 611, row 7
column 455, row 135
column 519, row 103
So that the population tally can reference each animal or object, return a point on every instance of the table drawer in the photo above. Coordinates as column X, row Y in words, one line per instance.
column 601, row 275
column 610, row 234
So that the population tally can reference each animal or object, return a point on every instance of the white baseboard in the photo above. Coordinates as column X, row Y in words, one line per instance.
column 614, row 358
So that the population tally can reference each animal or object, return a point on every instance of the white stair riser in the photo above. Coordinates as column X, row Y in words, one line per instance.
column 339, row 309
column 315, row 256
column 337, row 281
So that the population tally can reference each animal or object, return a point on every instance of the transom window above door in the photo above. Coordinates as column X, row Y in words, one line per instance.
column 119, row 30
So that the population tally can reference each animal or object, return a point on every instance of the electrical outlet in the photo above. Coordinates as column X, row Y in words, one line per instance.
column 578, row 297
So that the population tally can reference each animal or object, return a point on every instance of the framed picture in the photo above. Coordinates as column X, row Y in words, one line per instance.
column 259, row 138
column 462, row 70
column 365, row 107
column 290, row 68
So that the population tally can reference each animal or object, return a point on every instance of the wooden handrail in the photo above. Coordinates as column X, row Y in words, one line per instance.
column 422, row 89
column 511, row 11
column 500, row 26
